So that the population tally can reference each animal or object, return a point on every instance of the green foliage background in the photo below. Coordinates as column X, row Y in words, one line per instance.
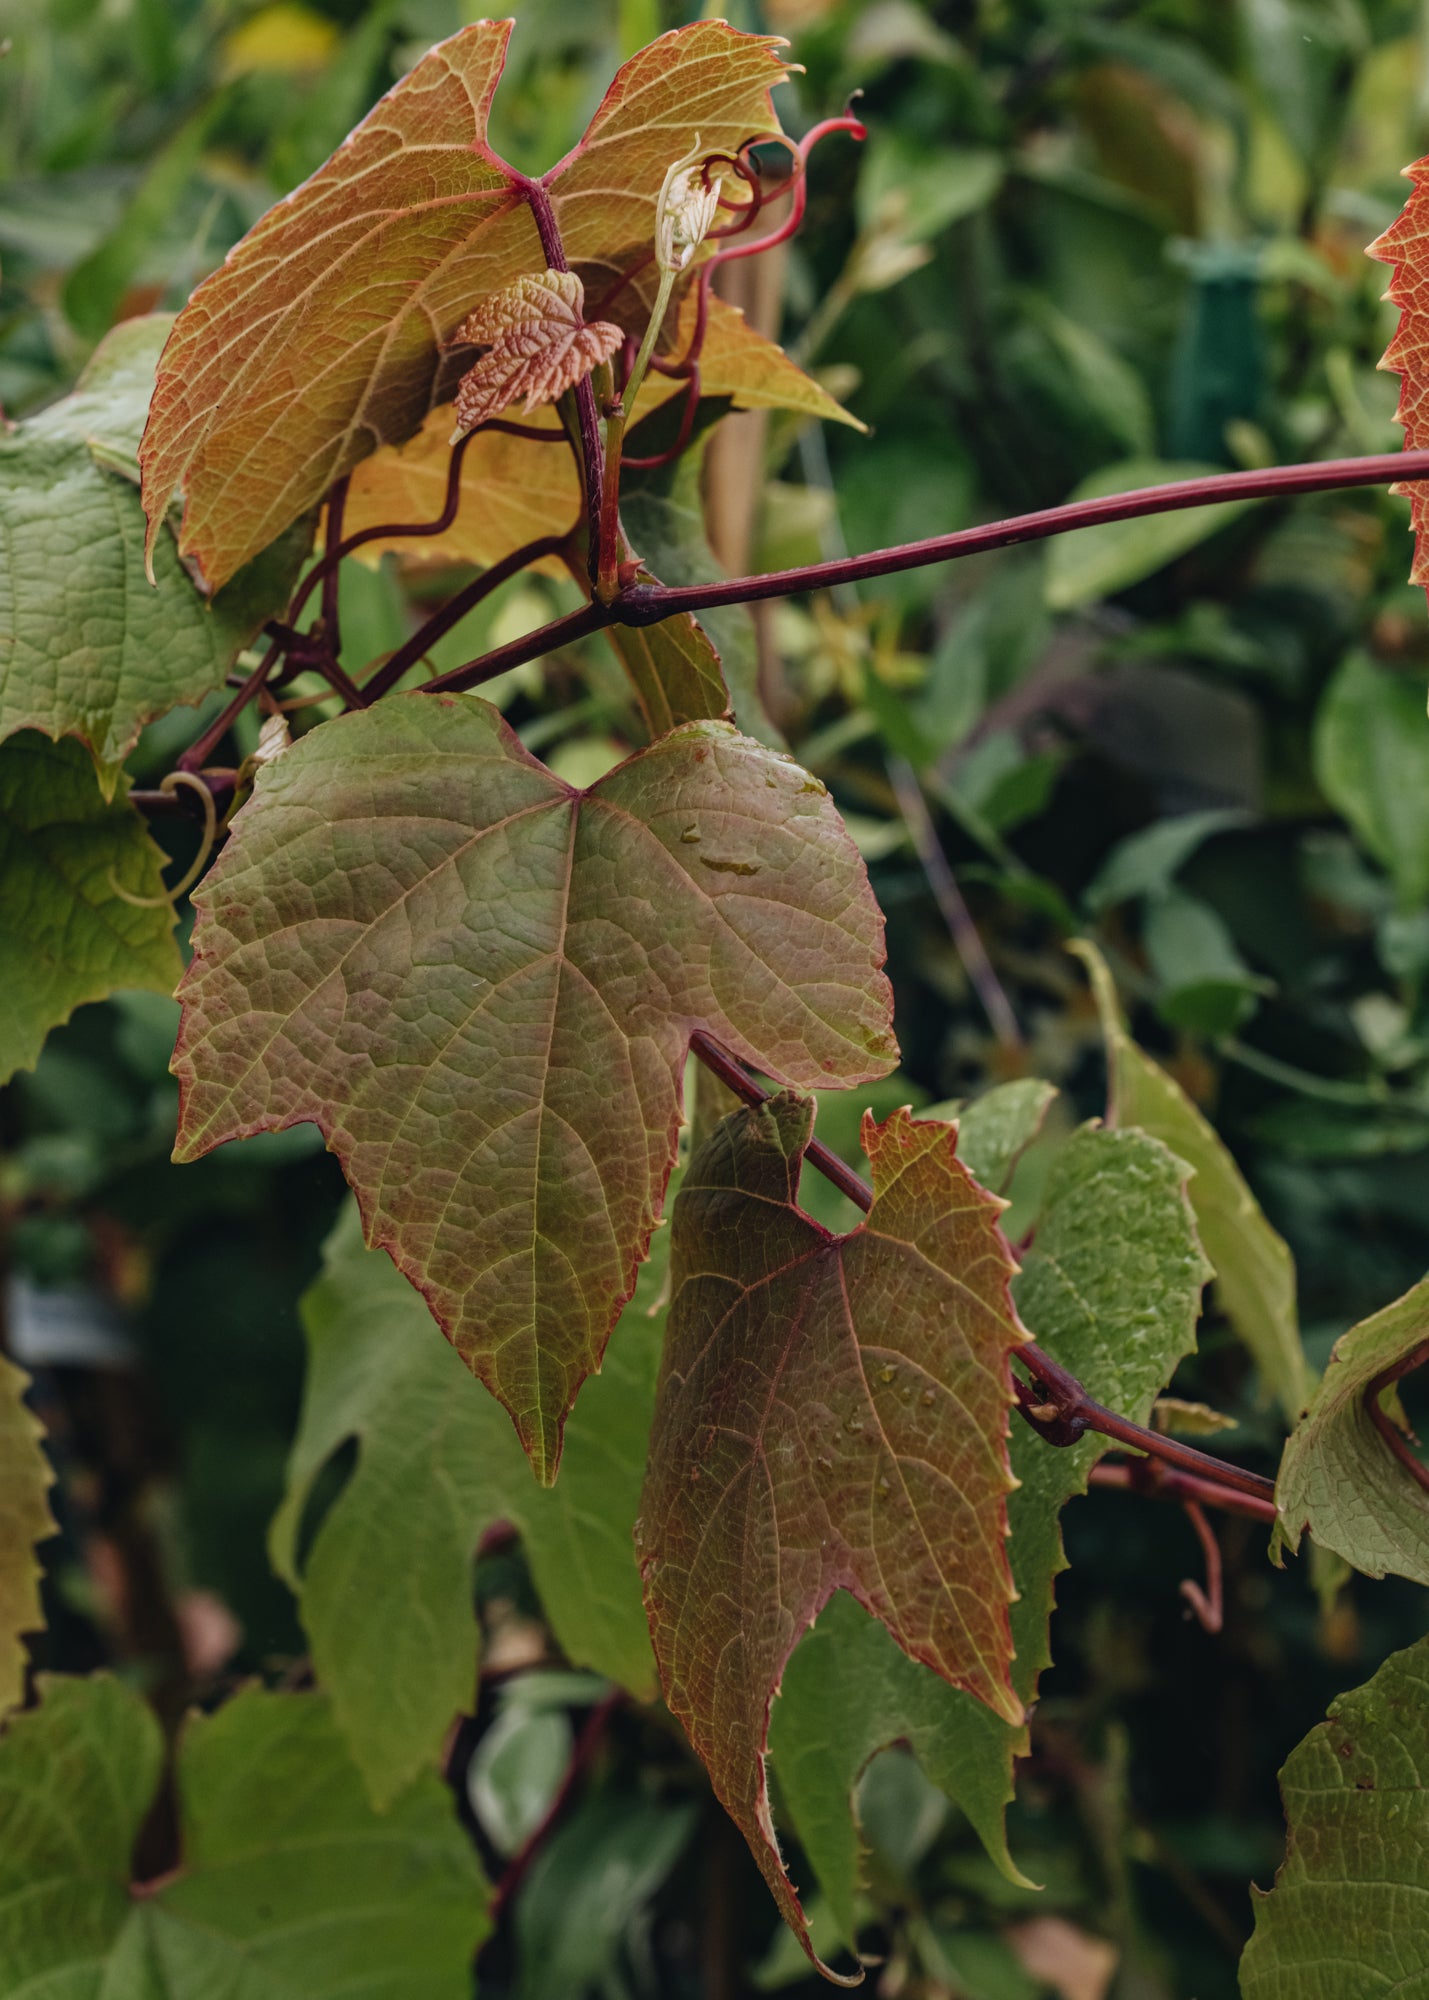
column 1085, row 243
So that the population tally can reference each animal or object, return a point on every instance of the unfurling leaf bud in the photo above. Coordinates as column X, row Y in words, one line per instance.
column 685, row 212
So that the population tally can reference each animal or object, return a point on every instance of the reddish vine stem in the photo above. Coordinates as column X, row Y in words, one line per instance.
column 1055, row 1404
column 564, row 631
column 1150, row 1477
column 194, row 757
column 1208, row 1604
column 1381, row 1418
column 648, row 603
column 592, row 452
column 452, row 613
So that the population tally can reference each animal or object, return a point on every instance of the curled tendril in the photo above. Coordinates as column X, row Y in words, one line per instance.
column 196, row 867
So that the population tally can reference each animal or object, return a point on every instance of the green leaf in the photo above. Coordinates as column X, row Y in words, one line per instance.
column 25, row 1519
column 1338, row 1478
column 1345, row 1919
column 1255, row 1275
column 481, row 984
column 1372, row 761
column 995, row 1130
column 437, row 1464
column 67, row 937
column 77, row 1776
column 288, row 1882
column 1111, row 1287
column 832, row 1414
column 674, row 670
column 88, row 647
column 1097, row 562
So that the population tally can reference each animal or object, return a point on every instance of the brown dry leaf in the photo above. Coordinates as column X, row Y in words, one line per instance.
column 322, row 335
column 538, row 345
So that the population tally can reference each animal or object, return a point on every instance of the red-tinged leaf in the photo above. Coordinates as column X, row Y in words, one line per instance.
column 832, row 1414
column 513, row 491
column 538, row 345
column 1404, row 246
column 481, row 984
column 321, row 337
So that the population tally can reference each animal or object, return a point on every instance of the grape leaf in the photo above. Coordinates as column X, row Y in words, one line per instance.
column 481, row 983
column 1338, row 1478
column 67, row 936
column 1255, row 1274
column 87, row 647
column 538, row 344
column 1405, row 248
column 995, row 1130
column 437, row 1464
column 25, row 1519
column 832, row 1414
column 674, row 670
column 1111, row 1286
column 1345, row 1918
column 289, row 1882
column 321, row 336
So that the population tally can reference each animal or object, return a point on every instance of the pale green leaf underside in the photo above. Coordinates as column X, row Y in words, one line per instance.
column 995, row 1130
column 88, row 647
column 1111, row 1287
column 289, row 1882
column 481, row 983
column 25, row 1519
column 66, row 937
column 437, row 1464
column 1346, row 1918
column 1338, row 1478
column 1255, row 1274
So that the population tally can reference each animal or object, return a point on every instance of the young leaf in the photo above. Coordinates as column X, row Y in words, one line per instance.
column 87, row 647
column 1338, row 1478
column 832, row 1414
column 1345, row 1918
column 538, row 344
column 1404, row 247
column 1111, row 1286
column 437, row 1464
column 25, row 1519
column 1255, row 1275
column 674, row 670
column 288, row 1882
column 321, row 337
column 513, row 491
column 68, row 936
column 481, row 984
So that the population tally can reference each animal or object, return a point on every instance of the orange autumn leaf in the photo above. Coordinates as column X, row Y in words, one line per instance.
column 538, row 345
column 323, row 335
column 1404, row 246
